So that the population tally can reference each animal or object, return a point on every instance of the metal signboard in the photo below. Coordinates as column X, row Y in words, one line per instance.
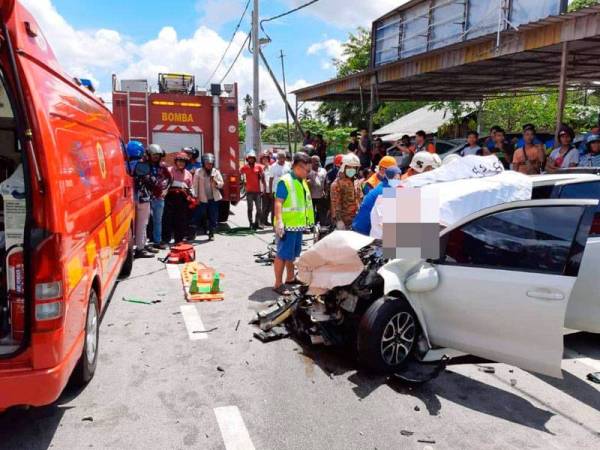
column 421, row 26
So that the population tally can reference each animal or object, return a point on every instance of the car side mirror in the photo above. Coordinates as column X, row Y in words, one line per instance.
column 142, row 169
column 426, row 279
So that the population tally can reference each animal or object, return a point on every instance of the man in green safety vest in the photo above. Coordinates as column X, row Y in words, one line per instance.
column 293, row 215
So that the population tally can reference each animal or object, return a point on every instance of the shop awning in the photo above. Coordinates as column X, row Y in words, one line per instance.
column 526, row 59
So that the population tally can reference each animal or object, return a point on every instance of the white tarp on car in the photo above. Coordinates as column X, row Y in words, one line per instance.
column 461, row 198
column 463, row 187
column 333, row 261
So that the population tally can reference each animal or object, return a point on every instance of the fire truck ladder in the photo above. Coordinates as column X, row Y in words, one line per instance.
column 138, row 102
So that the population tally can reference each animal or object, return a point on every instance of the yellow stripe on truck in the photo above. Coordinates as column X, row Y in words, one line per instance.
column 108, row 221
column 74, row 271
column 91, row 252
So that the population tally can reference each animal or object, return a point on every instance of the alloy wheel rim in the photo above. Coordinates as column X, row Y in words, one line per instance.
column 398, row 338
column 91, row 333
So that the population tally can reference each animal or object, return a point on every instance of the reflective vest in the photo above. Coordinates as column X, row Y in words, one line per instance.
column 297, row 212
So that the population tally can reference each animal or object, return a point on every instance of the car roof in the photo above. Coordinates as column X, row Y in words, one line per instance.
column 562, row 178
column 518, row 204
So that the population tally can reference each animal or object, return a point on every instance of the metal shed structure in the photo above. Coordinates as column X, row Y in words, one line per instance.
column 526, row 58
column 425, row 118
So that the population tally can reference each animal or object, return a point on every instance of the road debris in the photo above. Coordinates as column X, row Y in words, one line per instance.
column 205, row 331
column 487, row 369
column 220, row 369
column 87, row 419
column 274, row 334
column 417, row 409
column 141, row 301
column 426, row 441
column 594, row 377
column 406, row 433
column 237, row 325
column 513, row 382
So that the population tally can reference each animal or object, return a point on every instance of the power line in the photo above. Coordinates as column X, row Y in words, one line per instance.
column 229, row 44
column 236, row 58
column 285, row 14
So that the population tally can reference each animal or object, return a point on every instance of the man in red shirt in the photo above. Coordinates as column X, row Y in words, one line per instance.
column 254, row 175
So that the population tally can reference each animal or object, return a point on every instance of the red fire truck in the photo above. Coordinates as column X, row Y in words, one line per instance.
column 180, row 115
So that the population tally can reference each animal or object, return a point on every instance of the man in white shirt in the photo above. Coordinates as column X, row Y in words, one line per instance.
column 316, row 182
column 277, row 170
column 266, row 192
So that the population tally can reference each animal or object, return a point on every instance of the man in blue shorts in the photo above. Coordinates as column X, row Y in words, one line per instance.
column 293, row 215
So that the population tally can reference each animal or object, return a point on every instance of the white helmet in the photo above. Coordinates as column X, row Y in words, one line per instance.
column 423, row 160
column 155, row 149
column 450, row 158
column 349, row 160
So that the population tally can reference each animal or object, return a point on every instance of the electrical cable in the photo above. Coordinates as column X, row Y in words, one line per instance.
column 236, row 58
column 285, row 14
column 228, row 45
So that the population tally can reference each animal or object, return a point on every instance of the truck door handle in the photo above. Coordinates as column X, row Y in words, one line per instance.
column 546, row 294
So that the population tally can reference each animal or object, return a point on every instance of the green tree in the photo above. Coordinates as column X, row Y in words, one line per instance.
column 242, row 130
column 248, row 106
column 356, row 55
column 356, row 58
column 579, row 4
column 275, row 134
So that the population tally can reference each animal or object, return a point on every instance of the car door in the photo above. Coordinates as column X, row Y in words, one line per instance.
column 506, row 275
column 583, row 310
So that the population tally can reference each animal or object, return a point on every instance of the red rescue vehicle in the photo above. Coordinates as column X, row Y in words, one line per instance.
column 66, row 214
column 180, row 115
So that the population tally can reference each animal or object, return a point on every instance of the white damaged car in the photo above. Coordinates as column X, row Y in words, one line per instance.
column 510, row 278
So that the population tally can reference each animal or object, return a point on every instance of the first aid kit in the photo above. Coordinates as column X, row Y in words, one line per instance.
column 181, row 253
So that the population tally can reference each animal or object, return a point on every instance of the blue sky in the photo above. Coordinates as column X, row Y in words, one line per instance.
column 139, row 38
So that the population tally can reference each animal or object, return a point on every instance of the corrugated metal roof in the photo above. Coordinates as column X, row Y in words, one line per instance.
column 526, row 59
column 426, row 119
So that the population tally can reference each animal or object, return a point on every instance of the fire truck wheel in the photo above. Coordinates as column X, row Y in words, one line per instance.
column 128, row 263
column 84, row 371
column 224, row 211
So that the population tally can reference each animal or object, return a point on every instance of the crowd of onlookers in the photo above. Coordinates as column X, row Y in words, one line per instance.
column 176, row 202
column 339, row 191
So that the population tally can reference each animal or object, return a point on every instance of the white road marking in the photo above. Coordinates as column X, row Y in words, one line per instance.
column 573, row 355
column 193, row 322
column 173, row 271
column 234, row 431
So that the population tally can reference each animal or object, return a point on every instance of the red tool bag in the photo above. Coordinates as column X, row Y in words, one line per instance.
column 181, row 253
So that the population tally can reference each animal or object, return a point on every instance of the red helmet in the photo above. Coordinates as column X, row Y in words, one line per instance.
column 181, row 156
column 338, row 160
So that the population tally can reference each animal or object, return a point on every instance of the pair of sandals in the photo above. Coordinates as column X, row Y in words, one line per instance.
column 282, row 290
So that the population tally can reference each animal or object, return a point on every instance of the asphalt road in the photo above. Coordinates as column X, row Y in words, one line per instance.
column 155, row 388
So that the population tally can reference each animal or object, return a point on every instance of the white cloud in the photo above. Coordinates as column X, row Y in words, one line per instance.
column 215, row 13
column 329, row 49
column 348, row 15
column 98, row 53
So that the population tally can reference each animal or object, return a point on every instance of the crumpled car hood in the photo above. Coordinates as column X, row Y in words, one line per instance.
column 332, row 262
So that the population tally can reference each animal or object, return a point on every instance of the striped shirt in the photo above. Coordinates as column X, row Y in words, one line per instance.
column 589, row 160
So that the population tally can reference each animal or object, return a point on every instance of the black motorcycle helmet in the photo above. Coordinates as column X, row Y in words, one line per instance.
column 192, row 152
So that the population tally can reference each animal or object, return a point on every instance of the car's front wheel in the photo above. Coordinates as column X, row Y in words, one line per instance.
column 387, row 335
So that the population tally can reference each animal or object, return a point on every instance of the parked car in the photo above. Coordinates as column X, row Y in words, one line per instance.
column 509, row 279
column 70, row 236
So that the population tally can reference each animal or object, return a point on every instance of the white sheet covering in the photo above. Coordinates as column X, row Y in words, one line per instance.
column 333, row 261
column 465, row 186
column 461, row 198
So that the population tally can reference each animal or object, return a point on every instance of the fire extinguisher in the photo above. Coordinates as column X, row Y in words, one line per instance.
column 16, row 290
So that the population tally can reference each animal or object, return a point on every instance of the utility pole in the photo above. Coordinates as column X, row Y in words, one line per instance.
column 287, row 114
column 256, row 94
